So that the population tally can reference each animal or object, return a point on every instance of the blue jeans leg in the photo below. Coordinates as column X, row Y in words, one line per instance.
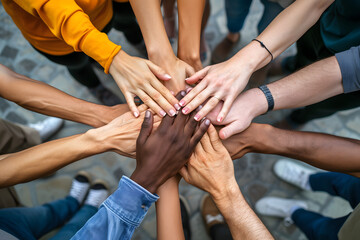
column 236, row 13
column 337, row 184
column 316, row 226
column 32, row 223
column 75, row 223
column 271, row 10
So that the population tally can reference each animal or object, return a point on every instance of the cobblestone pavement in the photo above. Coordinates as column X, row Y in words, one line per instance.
column 253, row 172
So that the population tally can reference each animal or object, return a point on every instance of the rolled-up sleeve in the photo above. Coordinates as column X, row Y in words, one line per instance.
column 349, row 62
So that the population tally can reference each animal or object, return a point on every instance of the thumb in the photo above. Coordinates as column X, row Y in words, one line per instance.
column 146, row 128
column 231, row 129
column 158, row 71
column 184, row 173
column 197, row 76
column 189, row 70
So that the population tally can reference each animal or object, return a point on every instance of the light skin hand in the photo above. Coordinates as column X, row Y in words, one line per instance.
column 245, row 108
column 210, row 168
column 161, row 154
column 139, row 77
column 223, row 81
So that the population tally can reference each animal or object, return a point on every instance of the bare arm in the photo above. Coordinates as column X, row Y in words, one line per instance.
column 211, row 169
column 225, row 81
column 190, row 18
column 168, row 214
column 312, row 84
column 42, row 98
column 148, row 14
column 320, row 150
column 119, row 135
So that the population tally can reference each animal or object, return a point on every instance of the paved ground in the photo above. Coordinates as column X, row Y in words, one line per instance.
column 253, row 172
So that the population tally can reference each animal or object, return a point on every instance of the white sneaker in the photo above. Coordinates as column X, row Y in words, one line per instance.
column 97, row 194
column 293, row 173
column 80, row 186
column 279, row 207
column 47, row 127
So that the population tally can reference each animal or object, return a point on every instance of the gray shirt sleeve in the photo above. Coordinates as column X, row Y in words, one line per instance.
column 349, row 62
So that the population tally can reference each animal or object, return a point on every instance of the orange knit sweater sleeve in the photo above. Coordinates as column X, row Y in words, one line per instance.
column 67, row 21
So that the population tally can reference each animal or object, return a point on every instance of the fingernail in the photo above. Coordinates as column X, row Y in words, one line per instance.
column 199, row 107
column 177, row 107
column 186, row 79
column 162, row 113
column 182, row 93
column 136, row 114
column 197, row 117
column 167, row 76
column 182, row 103
column 172, row 112
column 219, row 119
column 147, row 114
column 188, row 90
column 207, row 122
column 185, row 110
column 172, row 93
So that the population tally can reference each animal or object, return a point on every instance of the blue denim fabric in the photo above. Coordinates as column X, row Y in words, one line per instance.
column 75, row 223
column 316, row 226
column 120, row 214
column 237, row 11
column 33, row 223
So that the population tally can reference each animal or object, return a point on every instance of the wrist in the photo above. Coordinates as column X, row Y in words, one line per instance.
column 257, row 102
column 161, row 54
column 96, row 141
column 225, row 190
column 224, row 199
column 253, row 56
column 144, row 179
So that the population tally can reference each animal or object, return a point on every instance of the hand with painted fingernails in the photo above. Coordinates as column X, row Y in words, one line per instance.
column 140, row 77
column 222, row 82
column 161, row 154
column 245, row 108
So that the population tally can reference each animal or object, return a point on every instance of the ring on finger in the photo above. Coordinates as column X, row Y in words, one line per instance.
column 218, row 98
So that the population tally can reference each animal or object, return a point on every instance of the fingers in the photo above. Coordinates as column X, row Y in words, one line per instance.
column 166, row 122
column 197, row 76
column 214, row 137
column 191, row 125
column 206, row 143
column 146, row 128
column 231, row 129
column 160, row 101
column 151, row 103
column 199, row 132
column 211, row 104
column 189, row 70
column 225, row 109
column 184, row 173
column 130, row 101
column 158, row 72
column 170, row 99
column 195, row 97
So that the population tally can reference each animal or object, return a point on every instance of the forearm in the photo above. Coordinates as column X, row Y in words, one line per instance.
column 148, row 14
column 168, row 214
column 310, row 85
column 47, row 157
column 285, row 29
column 324, row 151
column 241, row 219
column 190, row 18
column 42, row 98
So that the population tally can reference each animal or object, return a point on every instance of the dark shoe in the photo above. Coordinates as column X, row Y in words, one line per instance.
column 105, row 96
column 185, row 218
column 223, row 50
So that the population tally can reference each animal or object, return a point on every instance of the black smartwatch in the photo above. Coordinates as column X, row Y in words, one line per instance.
column 268, row 96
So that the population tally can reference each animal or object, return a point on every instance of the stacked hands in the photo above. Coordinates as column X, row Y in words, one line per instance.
column 180, row 144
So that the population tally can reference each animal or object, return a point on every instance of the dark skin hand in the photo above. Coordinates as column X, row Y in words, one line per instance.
column 161, row 154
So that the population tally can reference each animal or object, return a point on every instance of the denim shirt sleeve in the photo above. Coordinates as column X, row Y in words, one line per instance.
column 120, row 214
column 349, row 62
